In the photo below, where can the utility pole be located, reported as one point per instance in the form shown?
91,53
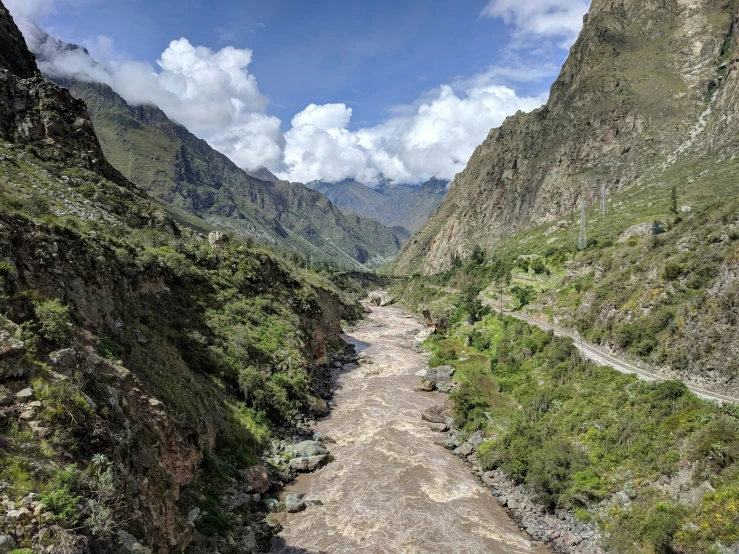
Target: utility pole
582,241
603,200
306,267
500,287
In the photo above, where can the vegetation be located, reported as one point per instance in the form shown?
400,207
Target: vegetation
576,433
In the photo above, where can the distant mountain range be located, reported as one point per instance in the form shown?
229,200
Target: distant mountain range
404,207
204,189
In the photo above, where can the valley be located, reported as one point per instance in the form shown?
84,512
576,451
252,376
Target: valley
535,351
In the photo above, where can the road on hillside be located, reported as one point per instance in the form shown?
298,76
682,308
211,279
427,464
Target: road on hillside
599,355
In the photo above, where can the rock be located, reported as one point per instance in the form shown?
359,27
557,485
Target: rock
512,504
502,500
422,335
440,374
7,544
439,427
322,438
216,239
635,230
64,359
40,429
272,504
435,414
421,373
686,209
258,479
308,449
623,498
193,515
25,394
10,347
130,544
489,478
6,398
294,503
243,499
308,464
476,438
248,543
381,299
464,450
425,386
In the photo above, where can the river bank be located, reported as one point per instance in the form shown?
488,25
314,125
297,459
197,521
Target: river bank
390,487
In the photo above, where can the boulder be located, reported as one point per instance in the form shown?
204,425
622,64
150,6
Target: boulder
130,544
64,359
503,501
381,299
425,386
464,450
25,394
635,230
476,439
308,449
294,503
440,374
216,239
435,414
311,463
258,479
7,544
439,427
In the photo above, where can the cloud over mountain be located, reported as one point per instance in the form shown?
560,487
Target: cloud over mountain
215,96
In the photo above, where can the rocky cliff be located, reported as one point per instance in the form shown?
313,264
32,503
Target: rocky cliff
143,368
634,94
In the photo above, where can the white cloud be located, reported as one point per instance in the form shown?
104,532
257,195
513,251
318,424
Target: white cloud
213,94
561,19
434,138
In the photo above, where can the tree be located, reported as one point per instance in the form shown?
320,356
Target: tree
478,255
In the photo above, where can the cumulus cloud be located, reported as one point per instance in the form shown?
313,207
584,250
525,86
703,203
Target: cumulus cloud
432,139
209,92
561,19
215,96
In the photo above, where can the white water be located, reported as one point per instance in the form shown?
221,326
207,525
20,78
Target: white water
390,488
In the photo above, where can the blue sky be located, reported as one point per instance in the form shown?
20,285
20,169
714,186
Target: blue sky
370,67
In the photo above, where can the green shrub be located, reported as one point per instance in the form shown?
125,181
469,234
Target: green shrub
61,501
673,271
540,267
54,320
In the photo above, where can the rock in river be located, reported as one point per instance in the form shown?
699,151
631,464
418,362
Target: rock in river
308,449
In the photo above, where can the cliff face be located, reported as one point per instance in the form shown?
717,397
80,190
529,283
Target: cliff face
630,96
142,369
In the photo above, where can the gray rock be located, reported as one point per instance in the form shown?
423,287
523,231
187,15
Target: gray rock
25,394
435,414
248,544
7,544
64,358
476,439
311,463
193,515
440,374
294,503
130,544
439,427
464,450
308,449
503,501
421,373
242,499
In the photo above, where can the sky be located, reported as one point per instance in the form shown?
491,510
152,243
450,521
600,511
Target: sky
366,90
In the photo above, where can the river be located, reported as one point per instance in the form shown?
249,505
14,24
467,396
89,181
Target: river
390,488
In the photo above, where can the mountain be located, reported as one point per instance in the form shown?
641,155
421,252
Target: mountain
144,369
392,205
188,176
645,85
203,188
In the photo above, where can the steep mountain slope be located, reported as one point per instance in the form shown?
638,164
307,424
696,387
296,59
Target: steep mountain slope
143,370
633,94
392,205
190,177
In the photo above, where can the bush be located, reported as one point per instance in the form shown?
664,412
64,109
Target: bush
540,267
658,228
60,501
53,317
673,271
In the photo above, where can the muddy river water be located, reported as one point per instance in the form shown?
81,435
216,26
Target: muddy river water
390,488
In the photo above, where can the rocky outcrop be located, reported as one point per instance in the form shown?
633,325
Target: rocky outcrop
628,97
14,54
